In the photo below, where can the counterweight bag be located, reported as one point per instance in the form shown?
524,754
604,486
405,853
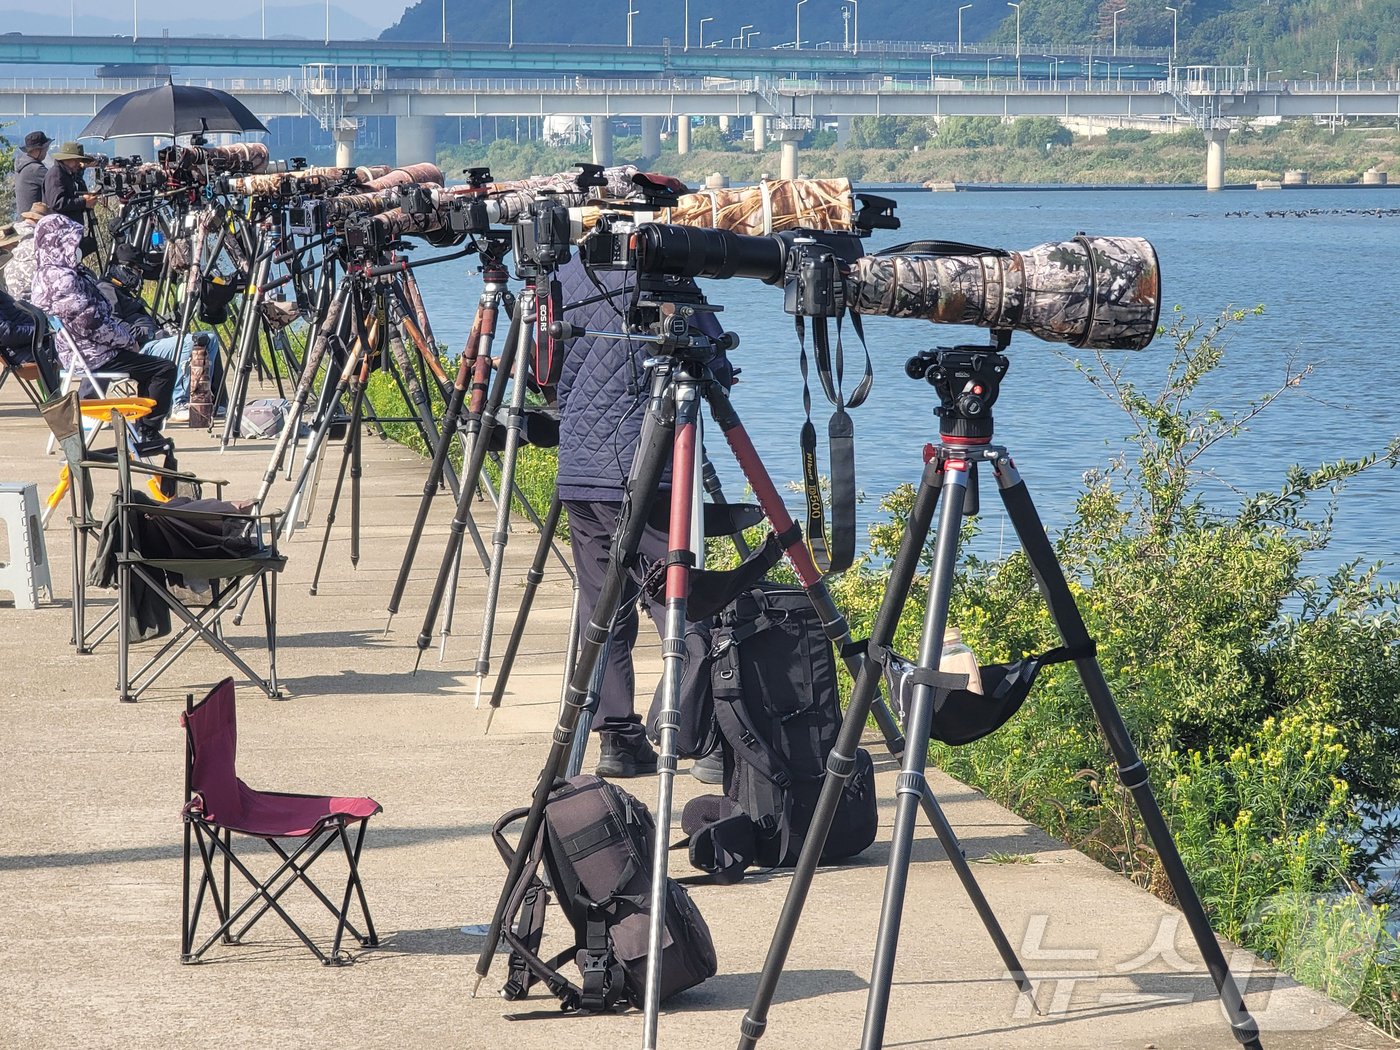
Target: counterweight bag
594,856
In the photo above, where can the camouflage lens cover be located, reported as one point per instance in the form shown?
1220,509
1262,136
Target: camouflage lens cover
1097,292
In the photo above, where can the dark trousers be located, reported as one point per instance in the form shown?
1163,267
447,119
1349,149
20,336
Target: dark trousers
591,526
155,378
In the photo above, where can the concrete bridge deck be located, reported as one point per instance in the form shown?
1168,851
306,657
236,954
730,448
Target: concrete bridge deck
90,850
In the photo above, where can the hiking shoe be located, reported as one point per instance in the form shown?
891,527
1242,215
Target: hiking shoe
709,769
622,757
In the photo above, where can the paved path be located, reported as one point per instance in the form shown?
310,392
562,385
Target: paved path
90,849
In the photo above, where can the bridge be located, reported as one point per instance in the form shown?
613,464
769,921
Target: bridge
779,107
885,58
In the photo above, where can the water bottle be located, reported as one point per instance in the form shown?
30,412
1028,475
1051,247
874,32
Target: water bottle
959,659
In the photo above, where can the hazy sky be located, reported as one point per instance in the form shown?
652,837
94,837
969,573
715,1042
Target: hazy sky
376,13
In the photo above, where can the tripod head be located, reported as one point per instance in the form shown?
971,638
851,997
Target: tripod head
968,381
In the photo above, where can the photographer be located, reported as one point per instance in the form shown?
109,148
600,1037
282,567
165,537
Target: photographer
121,287
64,288
64,189
30,171
603,393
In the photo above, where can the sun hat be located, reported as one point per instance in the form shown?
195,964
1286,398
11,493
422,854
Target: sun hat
73,151
35,139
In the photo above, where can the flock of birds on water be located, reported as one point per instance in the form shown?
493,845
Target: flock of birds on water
1311,213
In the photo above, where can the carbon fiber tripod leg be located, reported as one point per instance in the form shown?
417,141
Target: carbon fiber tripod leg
1131,772
653,452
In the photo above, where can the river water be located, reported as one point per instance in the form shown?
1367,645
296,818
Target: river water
1323,268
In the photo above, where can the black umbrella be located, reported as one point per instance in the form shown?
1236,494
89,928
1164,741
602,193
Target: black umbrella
171,109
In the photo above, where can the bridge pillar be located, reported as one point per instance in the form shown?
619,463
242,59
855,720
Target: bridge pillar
1215,158
415,140
602,141
724,125
760,132
787,162
651,137
682,136
345,146
843,132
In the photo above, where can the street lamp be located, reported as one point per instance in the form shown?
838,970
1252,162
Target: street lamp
687,26
328,21
960,11
510,41
1018,36
1175,12
133,21
742,31
798,45
1054,71
1116,13
994,58
750,36
855,33
630,12
444,21
709,18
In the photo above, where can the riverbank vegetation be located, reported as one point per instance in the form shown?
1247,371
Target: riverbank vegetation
1029,150
1265,702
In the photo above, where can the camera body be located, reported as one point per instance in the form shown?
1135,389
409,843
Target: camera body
306,217
813,283
611,245
364,239
542,238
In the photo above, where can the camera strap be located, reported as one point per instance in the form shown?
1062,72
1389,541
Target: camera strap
834,552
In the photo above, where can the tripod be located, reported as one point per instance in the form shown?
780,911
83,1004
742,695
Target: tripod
473,370
967,380
680,378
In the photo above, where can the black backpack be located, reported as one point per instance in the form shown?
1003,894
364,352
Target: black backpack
774,688
596,849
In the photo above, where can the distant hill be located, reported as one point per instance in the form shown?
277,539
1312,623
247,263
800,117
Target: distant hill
1292,35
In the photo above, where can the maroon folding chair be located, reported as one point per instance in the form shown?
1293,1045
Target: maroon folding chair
218,805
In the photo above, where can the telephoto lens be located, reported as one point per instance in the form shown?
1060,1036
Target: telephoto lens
1103,293
693,251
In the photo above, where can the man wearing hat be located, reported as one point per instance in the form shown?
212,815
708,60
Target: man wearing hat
30,170
64,189
18,273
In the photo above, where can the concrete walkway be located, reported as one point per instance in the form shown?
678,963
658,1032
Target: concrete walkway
90,848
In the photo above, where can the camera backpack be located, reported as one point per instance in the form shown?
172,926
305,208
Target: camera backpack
774,687
594,855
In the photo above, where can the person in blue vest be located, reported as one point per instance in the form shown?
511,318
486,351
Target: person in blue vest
602,395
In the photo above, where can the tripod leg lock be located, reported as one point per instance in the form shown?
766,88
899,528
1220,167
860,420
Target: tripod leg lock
595,634
839,766
751,1028
910,783
673,647
667,719
1246,1031
1137,772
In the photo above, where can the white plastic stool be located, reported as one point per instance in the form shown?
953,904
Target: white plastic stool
28,568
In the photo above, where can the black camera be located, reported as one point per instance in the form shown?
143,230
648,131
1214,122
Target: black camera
306,217
467,215
813,285
611,245
364,238
542,236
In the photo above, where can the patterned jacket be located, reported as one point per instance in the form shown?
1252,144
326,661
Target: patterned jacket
65,289
18,274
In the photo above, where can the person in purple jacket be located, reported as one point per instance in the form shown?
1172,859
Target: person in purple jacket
65,289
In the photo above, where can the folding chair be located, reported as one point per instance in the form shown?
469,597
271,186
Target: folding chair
39,378
79,375
235,551
65,418
219,805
